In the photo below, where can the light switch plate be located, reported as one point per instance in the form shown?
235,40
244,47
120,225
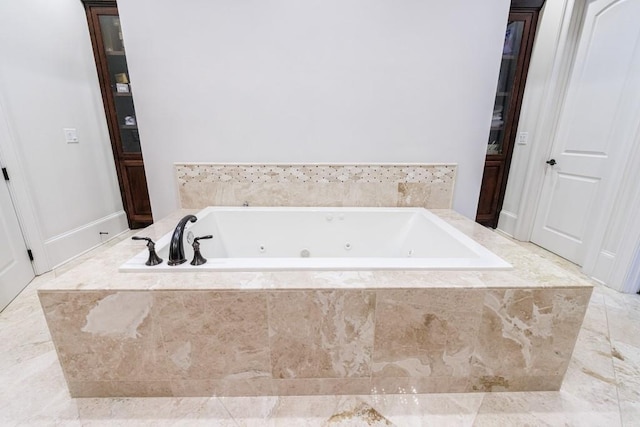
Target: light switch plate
523,138
71,135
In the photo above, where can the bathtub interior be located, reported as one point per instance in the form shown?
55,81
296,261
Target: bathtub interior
255,238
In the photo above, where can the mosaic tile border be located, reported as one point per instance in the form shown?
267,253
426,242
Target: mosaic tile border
382,185
316,173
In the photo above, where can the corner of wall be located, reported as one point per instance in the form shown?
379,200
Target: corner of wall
507,222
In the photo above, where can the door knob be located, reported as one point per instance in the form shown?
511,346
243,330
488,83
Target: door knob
551,162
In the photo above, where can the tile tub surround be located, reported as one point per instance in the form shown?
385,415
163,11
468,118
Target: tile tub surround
330,332
215,184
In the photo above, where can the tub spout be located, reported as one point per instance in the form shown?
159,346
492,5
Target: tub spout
176,249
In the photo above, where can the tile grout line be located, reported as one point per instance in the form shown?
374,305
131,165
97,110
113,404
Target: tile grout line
611,348
227,410
475,418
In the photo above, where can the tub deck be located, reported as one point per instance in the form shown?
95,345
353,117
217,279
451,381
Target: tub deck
314,332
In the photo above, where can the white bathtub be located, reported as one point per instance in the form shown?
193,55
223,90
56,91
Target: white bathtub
286,238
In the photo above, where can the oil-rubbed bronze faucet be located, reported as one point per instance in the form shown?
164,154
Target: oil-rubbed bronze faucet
176,249
154,259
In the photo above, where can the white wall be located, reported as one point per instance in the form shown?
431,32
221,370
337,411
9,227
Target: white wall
313,81
48,82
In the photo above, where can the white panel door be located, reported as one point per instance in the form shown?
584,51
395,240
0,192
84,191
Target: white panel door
15,267
599,115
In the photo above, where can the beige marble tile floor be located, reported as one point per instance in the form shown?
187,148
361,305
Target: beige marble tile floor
601,387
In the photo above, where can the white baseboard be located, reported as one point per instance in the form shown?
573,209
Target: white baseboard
65,246
602,269
631,283
507,222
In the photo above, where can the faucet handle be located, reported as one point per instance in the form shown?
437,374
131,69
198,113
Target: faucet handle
208,236
142,238
198,259
154,259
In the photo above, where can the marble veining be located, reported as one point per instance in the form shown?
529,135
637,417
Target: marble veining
331,336
118,315
426,333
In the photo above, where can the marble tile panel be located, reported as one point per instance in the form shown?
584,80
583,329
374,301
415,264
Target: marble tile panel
528,332
327,194
368,194
435,195
412,194
23,332
441,196
321,334
69,313
29,387
427,332
106,336
214,334
589,385
195,194
593,356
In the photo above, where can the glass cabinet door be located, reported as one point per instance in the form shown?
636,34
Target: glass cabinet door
505,92
115,86
118,74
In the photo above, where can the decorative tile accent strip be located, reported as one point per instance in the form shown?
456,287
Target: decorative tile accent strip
426,185
424,174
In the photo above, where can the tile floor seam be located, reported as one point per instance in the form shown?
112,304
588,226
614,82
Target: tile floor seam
221,401
475,418
611,348
267,301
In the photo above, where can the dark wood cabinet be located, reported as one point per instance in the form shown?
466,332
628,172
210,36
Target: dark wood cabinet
117,96
518,44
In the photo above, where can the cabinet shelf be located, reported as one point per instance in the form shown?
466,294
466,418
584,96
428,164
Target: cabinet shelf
111,63
519,36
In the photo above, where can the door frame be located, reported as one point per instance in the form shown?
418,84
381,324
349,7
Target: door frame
545,129
20,194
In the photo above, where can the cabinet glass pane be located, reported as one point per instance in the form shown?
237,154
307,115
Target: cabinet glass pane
504,92
119,83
